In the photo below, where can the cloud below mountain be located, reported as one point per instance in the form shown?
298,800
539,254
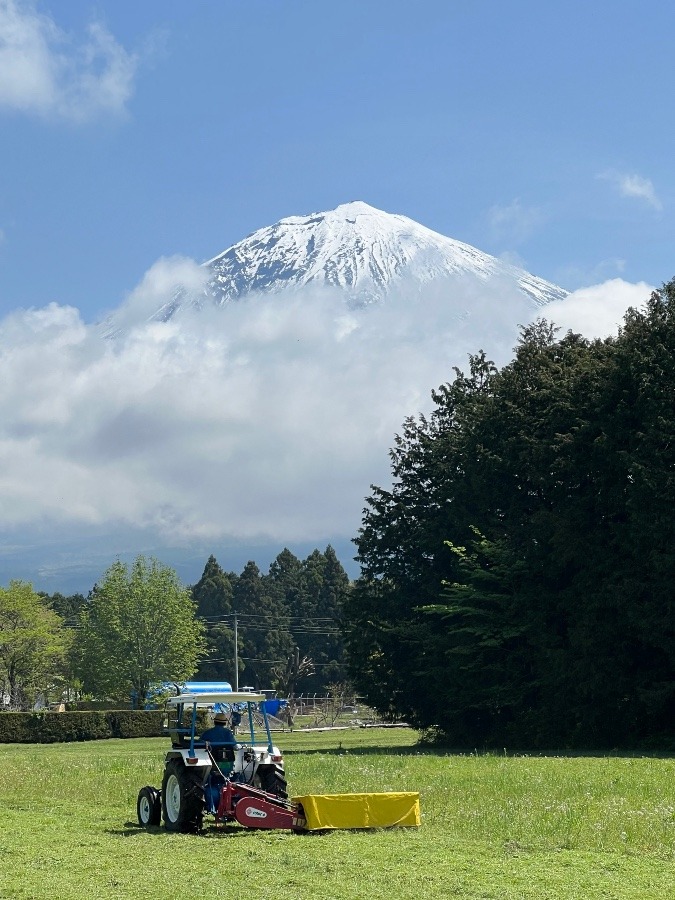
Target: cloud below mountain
597,311
266,419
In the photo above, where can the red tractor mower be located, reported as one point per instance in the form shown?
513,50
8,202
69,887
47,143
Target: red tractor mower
245,782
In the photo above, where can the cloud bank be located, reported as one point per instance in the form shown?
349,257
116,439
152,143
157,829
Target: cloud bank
265,420
43,71
598,311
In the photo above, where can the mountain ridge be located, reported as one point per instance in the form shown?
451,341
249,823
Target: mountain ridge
362,251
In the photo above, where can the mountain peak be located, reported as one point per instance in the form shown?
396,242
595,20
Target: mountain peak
343,211
355,206
360,250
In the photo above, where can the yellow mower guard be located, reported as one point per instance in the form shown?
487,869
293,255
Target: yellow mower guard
360,810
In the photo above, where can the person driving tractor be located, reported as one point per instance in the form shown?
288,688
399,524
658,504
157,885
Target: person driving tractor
219,734
221,741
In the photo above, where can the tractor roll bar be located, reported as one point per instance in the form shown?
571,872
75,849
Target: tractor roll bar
251,698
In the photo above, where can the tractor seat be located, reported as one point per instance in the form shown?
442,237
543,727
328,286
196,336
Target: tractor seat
222,752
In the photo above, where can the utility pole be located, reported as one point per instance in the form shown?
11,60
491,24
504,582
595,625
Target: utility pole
236,653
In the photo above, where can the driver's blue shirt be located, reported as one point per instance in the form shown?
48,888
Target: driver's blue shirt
218,734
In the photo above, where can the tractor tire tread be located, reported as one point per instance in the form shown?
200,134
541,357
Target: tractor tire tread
273,780
191,812
149,806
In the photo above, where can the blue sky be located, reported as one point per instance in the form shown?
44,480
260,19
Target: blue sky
136,132
539,131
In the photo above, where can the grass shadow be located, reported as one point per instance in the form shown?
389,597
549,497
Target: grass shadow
209,830
440,750
134,828
396,750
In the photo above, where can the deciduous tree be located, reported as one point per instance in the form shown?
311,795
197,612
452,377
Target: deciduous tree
33,647
138,630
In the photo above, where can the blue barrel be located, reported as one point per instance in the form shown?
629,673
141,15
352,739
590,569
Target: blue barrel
272,707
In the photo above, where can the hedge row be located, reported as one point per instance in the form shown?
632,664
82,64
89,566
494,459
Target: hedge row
53,727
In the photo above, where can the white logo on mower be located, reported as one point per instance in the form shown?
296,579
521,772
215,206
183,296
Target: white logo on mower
255,813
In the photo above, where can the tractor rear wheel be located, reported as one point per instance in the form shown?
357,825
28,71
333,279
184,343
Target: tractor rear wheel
148,806
182,798
272,780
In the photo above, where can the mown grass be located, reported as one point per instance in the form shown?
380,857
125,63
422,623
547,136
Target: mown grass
493,826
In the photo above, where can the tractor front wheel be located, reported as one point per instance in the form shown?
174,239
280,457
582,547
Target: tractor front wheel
148,807
182,798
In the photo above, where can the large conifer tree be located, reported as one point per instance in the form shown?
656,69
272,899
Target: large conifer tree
522,563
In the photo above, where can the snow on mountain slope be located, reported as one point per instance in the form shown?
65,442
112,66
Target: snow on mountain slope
363,251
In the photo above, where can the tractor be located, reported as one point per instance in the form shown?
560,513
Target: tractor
245,782
206,777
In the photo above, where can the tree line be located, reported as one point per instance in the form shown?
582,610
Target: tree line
297,604
139,627
517,578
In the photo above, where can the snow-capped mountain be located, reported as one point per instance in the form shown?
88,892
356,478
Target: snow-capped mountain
357,248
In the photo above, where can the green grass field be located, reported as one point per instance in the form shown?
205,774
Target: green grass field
492,827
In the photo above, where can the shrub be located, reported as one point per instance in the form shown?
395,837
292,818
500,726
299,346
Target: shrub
91,725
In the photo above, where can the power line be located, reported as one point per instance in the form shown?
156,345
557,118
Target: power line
305,627
294,631
291,629
270,616
228,659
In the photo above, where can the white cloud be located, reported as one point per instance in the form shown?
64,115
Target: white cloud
634,186
268,418
43,71
263,421
515,222
598,311
158,288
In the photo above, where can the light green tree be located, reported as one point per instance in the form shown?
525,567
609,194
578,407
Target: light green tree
139,629
33,647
